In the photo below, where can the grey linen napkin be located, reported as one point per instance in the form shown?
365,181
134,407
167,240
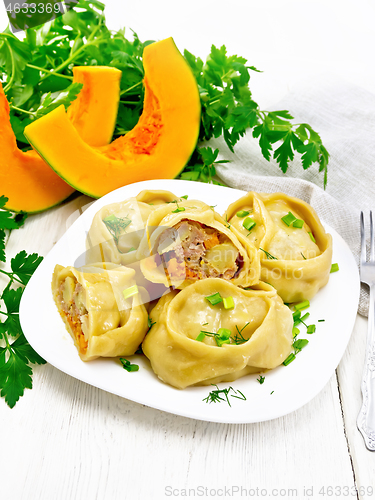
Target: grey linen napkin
344,116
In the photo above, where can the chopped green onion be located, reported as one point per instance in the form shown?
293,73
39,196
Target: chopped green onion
132,249
178,209
242,213
224,333
129,367
214,299
296,315
185,197
304,318
302,305
289,219
223,336
129,292
312,237
298,223
228,302
295,331
249,223
289,359
311,329
109,218
300,344
334,268
321,320
201,337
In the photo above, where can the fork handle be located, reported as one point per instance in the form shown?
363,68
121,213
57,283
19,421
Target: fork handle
366,417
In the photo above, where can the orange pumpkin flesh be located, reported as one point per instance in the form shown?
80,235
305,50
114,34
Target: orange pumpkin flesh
25,178
158,147
94,112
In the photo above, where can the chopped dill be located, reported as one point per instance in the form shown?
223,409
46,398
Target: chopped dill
268,255
116,225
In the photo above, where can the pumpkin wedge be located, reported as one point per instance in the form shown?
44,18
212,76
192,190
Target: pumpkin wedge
158,147
94,112
25,178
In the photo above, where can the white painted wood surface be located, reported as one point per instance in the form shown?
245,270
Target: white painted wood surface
68,440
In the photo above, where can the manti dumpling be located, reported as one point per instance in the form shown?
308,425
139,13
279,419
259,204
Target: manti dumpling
102,309
296,252
118,228
188,241
196,340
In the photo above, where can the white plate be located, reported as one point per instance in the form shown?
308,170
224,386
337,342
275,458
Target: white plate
284,390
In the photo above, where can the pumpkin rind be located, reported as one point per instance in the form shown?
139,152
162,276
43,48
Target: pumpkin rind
25,178
158,147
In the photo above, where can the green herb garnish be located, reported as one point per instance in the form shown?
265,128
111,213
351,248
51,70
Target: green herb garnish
242,213
239,338
214,299
249,223
129,292
261,379
302,305
298,223
288,219
289,359
311,329
295,331
228,302
215,396
17,355
116,225
312,237
222,336
129,367
299,345
201,336
268,255
150,323
334,268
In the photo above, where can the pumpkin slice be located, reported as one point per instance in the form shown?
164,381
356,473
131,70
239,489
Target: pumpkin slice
94,112
25,178
158,147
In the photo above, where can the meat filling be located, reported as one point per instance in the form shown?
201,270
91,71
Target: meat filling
70,298
198,251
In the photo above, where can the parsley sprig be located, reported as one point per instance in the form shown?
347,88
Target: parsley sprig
16,354
228,109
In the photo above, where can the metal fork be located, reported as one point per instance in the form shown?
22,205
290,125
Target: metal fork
366,417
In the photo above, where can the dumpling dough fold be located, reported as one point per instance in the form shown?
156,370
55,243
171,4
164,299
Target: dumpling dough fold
295,260
96,313
258,315
118,228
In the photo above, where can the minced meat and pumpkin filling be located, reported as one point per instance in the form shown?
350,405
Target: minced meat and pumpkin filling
72,308
198,251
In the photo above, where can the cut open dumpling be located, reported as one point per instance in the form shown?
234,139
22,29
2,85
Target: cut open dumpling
188,241
102,308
